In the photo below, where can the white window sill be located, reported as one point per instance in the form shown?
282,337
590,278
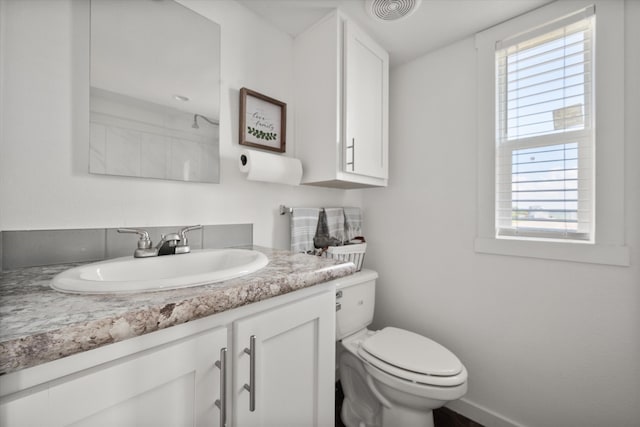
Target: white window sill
563,251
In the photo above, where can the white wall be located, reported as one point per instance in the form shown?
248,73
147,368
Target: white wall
546,343
44,182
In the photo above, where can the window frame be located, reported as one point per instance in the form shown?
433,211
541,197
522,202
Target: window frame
608,243
581,20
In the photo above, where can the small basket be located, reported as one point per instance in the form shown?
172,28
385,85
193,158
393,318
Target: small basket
353,253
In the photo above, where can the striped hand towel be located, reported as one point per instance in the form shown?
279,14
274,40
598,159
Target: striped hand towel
352,223
304,222
335,222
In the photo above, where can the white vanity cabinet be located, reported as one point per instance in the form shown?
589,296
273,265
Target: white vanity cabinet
291,352
172,384
26,409
342,103
179,376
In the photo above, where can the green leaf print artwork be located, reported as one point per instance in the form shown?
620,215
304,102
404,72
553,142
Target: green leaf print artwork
267,136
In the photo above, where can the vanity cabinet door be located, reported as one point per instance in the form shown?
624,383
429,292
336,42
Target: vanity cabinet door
173,385
294,357
25,409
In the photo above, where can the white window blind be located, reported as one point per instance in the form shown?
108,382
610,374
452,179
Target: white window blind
545,132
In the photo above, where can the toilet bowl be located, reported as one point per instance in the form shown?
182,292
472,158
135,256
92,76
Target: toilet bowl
391,377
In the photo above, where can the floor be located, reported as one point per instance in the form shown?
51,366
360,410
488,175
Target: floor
442,417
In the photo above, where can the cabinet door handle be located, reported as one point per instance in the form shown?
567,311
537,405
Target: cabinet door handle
222,402
251,387
353,154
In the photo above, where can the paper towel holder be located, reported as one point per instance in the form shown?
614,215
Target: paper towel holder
266,167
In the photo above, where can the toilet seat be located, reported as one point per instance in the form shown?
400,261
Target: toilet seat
412,357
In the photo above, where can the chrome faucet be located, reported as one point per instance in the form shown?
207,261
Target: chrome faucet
167,244
183,247
170,244
144,249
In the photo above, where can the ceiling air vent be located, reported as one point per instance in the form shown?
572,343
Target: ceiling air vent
391,10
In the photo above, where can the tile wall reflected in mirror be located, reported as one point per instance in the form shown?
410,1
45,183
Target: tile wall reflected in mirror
155,91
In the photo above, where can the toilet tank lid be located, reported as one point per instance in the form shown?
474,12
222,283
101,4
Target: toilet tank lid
413,352
356,278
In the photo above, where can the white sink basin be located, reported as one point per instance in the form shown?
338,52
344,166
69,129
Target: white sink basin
130,274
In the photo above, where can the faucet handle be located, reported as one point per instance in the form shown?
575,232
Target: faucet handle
144,242
183,232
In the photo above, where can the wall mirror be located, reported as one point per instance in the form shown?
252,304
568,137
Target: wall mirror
155,91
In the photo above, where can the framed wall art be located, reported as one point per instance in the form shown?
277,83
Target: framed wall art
263,121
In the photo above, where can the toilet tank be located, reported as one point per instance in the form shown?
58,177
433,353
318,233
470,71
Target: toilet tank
355,301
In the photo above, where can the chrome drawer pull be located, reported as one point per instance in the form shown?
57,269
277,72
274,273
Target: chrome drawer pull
251,387
222,402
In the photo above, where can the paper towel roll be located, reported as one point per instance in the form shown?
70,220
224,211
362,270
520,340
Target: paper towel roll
266,167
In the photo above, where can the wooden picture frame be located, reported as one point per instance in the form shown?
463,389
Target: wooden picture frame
263,121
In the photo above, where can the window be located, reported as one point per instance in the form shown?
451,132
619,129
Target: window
548,143
544,131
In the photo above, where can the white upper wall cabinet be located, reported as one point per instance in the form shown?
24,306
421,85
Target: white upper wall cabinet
342,102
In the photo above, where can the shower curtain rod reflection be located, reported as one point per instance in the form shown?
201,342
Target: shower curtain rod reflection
195,121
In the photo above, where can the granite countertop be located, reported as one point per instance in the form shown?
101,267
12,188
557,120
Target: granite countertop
39,324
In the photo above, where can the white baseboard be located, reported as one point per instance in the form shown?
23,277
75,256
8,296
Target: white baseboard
481,414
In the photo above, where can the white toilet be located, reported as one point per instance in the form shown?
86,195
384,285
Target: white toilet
391,377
